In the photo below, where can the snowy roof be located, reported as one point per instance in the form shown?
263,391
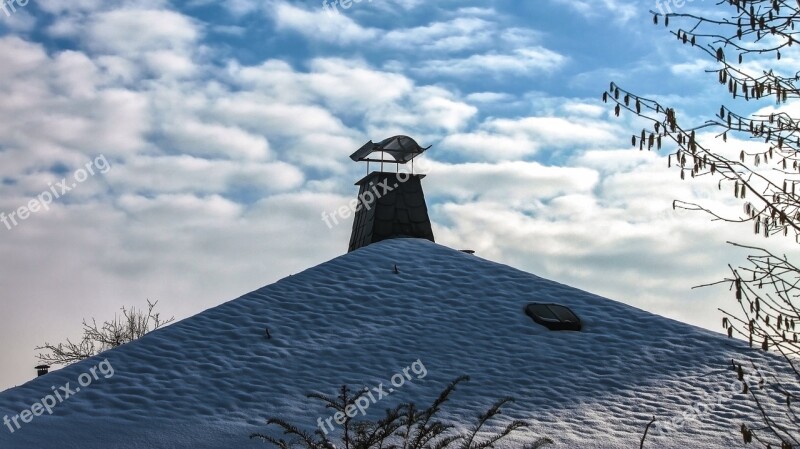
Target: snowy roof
212,379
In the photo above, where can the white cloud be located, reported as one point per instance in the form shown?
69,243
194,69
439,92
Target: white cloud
489,97
268,118
186,174
237,8
456,35
321,24
351,88
697,67
620,10
579,108
180,210
165,40
493,48
522,61
427,108
112,31
508,139
489,146
515,184
189,136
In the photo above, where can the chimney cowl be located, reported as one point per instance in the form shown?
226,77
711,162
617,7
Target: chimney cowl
390,204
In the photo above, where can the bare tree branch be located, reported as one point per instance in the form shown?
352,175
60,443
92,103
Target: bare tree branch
766,182
131,325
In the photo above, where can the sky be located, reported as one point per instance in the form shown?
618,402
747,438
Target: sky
190,149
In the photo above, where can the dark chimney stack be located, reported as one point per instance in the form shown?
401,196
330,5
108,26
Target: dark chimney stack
41,370
390,204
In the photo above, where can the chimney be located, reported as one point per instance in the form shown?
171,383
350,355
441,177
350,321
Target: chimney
390,204
41,370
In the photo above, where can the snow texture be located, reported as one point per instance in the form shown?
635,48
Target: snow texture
211,380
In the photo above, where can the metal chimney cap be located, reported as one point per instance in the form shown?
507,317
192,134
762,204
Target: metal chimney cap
401,148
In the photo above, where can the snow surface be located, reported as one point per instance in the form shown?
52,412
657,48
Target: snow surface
212,379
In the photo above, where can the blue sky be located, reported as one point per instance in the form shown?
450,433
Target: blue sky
227,128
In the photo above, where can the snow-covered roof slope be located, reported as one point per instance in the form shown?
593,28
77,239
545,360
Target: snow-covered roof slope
212,379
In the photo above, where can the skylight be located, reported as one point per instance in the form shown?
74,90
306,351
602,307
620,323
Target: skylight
553,316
